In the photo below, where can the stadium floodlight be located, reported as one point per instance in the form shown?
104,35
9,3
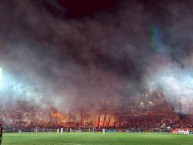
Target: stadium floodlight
1,78
0,73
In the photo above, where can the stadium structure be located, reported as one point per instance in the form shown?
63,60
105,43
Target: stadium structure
152,112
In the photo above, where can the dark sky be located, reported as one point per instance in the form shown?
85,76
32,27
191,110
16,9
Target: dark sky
75,9
90,52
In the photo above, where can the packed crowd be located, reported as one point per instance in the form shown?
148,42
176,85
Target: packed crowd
152,112
129,123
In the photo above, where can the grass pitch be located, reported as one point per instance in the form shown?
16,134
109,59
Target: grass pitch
98,138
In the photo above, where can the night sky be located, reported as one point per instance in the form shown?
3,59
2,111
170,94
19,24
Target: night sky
93,54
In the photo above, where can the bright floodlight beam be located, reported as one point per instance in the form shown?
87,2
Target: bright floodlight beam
1,78
0,73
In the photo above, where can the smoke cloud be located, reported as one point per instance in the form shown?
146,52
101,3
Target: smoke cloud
53,56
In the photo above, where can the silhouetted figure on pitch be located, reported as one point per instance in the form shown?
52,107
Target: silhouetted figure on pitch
1,133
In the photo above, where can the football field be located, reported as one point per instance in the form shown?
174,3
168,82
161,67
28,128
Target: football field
82,138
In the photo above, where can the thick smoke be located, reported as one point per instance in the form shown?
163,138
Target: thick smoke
52,59
172,68
176,82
